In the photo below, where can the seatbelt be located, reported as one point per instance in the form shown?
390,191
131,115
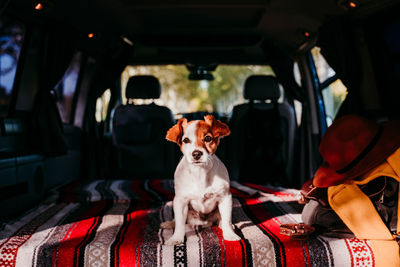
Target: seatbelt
360,216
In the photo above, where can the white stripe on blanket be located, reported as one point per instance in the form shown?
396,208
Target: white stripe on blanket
116,188
97,252
263,253
192,246
341,255
93,194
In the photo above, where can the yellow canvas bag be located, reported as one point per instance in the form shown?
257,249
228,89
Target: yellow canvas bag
356,210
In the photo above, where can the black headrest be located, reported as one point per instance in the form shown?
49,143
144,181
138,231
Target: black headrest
261,87
143,86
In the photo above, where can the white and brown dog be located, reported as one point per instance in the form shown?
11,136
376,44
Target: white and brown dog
202,195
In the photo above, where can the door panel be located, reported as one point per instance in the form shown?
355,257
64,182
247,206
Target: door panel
8,172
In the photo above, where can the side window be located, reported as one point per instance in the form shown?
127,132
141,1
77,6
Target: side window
102,106
333,90
11,38
66,88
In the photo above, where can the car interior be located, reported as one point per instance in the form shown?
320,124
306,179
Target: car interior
89,89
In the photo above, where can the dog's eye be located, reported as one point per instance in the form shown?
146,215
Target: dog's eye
186,140
207,139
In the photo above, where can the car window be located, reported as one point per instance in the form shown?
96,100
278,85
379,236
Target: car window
66,88
11,39
182,95
333,91
102,103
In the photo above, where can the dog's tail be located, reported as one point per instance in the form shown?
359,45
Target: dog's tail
168,224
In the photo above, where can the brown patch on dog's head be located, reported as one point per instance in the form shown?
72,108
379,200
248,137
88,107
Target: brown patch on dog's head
175,133
218,128
209,133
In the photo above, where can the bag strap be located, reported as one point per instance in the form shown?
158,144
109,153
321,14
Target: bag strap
394,161
357,212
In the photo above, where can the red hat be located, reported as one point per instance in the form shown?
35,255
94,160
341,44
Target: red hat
353,145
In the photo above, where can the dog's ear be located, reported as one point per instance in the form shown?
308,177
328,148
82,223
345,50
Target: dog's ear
176,132
218,128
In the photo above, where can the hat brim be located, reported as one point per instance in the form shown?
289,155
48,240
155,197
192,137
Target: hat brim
387,144
326,176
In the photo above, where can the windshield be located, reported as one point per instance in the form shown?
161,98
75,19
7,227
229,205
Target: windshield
182,95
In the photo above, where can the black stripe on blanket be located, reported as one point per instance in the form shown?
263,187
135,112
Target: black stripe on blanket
324,258
211,248
180,255
104,189
246,249
317,252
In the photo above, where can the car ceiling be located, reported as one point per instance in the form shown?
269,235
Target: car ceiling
167,31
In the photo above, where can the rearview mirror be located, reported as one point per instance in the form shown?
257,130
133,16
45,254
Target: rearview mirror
201,72
201,76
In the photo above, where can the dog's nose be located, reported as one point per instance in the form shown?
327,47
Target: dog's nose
197,154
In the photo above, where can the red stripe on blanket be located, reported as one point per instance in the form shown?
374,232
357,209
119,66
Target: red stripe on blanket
244,247
128,253
64,255
291,251
55,254
269,190
238,193
233,255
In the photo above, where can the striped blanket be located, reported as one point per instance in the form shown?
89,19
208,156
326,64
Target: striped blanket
116,223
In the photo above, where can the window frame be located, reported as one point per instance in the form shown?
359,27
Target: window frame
75,98
318,91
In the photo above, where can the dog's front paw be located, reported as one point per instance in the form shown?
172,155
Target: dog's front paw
231,236
174,240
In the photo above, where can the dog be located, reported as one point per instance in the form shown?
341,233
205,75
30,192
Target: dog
202,195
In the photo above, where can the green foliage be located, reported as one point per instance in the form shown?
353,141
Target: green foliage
183,95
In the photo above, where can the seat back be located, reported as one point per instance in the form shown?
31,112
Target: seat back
262,140
139,133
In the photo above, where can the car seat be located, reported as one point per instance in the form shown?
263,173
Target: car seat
262,140
139,133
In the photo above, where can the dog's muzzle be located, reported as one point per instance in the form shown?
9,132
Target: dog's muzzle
197,154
